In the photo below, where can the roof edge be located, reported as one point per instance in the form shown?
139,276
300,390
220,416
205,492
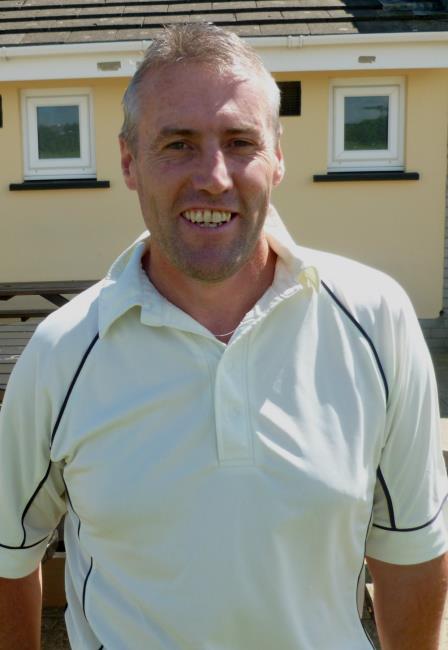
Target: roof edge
258,42
280,54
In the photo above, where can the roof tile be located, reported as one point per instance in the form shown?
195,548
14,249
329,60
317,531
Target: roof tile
299,29
92,36
56,21
194,6
10,39
306,14
246,31
242,4
332,28
144,9
260,16
44,38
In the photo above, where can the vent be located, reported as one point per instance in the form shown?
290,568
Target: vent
108,65
290,97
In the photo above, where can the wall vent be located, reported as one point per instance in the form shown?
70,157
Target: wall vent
291,97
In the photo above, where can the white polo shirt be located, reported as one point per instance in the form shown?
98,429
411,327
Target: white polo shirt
223,497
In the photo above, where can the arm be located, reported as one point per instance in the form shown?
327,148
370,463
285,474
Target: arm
20,612
409,602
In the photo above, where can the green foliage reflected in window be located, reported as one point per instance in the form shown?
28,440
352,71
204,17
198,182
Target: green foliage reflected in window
58,132
366,121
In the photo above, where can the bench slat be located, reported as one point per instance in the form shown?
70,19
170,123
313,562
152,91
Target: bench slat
37,288
12,349
15,342
25,313
13,339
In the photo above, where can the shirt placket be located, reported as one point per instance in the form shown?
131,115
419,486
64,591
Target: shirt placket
233,432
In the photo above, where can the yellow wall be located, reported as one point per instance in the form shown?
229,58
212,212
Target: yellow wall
395,226
64,234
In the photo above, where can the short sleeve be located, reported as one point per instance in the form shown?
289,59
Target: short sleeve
408,521
31,487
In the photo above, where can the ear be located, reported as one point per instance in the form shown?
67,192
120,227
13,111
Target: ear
128,165
279,170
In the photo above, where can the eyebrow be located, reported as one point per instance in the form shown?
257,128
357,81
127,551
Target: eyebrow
172,131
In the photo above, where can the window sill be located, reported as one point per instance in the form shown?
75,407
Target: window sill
59,184
331,177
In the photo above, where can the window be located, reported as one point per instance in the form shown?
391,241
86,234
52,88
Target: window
366,124
58,134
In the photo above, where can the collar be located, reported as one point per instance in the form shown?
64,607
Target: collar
126,285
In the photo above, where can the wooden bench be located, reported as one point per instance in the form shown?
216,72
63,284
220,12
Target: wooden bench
53,292
13,339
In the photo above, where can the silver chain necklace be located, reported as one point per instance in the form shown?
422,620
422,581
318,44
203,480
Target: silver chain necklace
226,333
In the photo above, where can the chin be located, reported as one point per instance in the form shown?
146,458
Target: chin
208,273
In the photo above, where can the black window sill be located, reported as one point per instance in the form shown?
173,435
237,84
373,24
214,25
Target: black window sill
335,177
60,184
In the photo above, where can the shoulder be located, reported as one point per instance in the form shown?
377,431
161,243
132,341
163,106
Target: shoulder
77,320
60,340
354,295
360,288
55,351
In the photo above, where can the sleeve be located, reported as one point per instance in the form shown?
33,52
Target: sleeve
31,488
408,520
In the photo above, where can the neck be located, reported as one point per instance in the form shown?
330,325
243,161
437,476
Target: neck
218,306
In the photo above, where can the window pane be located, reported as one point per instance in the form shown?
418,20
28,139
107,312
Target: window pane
58,132
366,122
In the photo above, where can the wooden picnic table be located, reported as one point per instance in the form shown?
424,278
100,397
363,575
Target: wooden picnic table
13,339
15,336
53,292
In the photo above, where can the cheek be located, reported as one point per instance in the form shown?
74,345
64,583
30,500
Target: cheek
253,173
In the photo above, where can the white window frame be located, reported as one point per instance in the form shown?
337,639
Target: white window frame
37,169
391,159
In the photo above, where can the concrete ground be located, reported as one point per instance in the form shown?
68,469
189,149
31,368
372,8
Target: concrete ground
53,629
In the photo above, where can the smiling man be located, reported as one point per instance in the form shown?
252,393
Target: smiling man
204,161
231,423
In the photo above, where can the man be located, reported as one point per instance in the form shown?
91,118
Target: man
231,422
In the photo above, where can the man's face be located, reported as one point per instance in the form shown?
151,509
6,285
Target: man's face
204,168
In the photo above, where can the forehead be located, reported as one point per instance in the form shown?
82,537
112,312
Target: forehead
194,92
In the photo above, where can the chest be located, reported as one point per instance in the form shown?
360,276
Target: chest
166,428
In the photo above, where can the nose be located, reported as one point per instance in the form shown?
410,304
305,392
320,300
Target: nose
212,174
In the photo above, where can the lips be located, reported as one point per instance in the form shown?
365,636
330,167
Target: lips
208,218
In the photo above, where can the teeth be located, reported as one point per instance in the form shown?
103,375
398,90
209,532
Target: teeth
211,218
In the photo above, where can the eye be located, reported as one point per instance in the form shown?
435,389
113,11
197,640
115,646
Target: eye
240,143
178,145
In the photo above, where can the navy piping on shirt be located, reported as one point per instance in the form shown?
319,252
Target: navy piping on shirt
23,544
71,505
364,333
359,577
84,588
390,507
27,507
72,385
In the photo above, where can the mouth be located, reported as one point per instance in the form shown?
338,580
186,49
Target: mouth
208,218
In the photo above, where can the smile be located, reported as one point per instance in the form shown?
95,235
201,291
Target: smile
208,218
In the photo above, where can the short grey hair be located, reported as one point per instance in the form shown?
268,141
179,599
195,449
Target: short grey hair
220,49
